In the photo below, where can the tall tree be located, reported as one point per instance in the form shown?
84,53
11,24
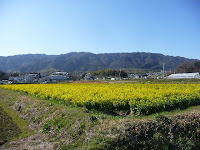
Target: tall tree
2,75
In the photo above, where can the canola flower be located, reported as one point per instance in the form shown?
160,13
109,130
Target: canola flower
139,98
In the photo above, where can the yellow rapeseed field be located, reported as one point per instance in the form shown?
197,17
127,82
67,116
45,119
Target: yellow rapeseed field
139,98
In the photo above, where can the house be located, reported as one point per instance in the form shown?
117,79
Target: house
16,79
60,73
32,77
2,82
88,76
58,76
133,76
137,76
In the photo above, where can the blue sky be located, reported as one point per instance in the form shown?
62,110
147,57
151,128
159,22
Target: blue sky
169,27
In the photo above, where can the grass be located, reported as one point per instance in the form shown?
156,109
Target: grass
20,123
181,81
8,128
13,127
166,113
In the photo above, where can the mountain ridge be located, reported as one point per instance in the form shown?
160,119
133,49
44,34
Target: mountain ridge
87,61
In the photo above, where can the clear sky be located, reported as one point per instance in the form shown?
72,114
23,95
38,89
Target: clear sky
169,27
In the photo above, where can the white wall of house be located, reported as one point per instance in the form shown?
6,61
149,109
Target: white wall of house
58,77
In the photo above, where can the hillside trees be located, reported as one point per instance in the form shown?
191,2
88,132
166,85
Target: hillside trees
109,73
84,61
2,75
189,67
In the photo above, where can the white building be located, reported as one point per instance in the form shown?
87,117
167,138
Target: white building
184,76
57,76
113,79
60,73
17,79
32,77
88,76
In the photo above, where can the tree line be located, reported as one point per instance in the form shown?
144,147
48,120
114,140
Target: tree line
189,67
109,73
5,76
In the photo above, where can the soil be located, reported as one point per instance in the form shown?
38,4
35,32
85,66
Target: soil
37,141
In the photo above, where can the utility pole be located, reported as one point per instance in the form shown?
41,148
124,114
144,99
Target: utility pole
120,73
163,70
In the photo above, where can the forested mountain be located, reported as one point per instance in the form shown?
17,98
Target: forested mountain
84,61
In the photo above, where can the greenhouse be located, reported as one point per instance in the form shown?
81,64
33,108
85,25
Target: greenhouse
184,76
